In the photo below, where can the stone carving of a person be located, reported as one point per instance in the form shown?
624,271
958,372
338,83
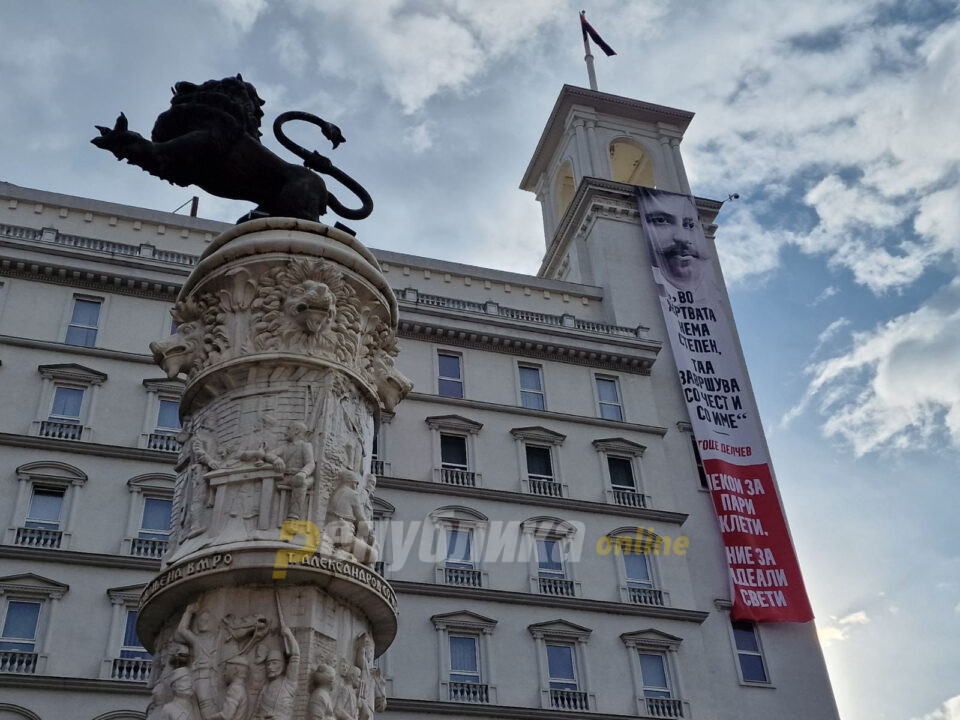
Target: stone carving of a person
345,706
366,692
278,695
345,514
197,457
320,706
234,706
183,705
201,637
299,465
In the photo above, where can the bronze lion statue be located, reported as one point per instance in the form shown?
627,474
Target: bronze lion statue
210,137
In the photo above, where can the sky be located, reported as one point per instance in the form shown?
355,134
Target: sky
836,121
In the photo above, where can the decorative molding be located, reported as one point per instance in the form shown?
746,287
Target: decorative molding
512,597
61,557
559,629
547,414
127,594
51,471
458,513
163,385
75,447
538,433
619,446
75,349
506,712
32,584
453,422
72,372
650,639
480,493
462,620
52,682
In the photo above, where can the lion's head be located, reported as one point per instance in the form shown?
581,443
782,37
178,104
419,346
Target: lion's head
231,101
311,306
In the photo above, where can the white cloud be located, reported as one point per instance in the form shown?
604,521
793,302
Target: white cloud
242,14
840,630
856,618
950,710
827,293
418,138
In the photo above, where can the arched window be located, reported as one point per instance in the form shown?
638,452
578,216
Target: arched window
630,164
564,189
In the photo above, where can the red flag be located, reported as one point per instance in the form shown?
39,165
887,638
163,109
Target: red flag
587,29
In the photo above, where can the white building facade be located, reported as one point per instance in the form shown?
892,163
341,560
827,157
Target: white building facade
546,422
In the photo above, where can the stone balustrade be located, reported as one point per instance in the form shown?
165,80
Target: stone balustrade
569,700
468,692
39,538
131,669
15,661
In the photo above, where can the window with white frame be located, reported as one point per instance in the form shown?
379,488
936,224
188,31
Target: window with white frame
552,570
531,387
84,322
608,397
654,664
126,658
453,449
132,648
620,468
26,610
382,514
561,654
67,400
161,423
149,518
460,530
45,505
168,415
750,659
449,374
379,456
633,549
466,674
538,451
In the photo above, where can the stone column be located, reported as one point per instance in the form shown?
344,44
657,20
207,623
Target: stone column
267,604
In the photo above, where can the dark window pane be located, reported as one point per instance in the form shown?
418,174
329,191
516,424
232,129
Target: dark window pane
549,558
463,655
607,391
538,461
156,514
449,366
560,663
67,402
621,472
130,638
21,620
86,312
45,505
636,567
450,388
532,400
745,636
699,461
458,547
169,414
611,412
81,336
376,449
752,668
453,450
530,379
653,672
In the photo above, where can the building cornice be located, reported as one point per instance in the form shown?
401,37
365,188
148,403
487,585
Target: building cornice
86,448
546,414
16,552
74,350
53,682
548,601
508,712
572,504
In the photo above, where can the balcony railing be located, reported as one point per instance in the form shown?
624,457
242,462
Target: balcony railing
462,577
561,587
458,476
376,466
545,486
468,692
148,548
60,430
13,661
38,537
131,669
569,700
645,596
662,707
163,441
629,498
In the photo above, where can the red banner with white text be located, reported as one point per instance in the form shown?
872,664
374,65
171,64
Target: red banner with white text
765,578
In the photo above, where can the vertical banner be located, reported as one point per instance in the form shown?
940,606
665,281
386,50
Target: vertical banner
764,572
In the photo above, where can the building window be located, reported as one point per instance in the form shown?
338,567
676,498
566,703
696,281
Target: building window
132,648
149,515
168,416
701,473
621,474
620,461
539,449
67,402
465,672
67,395
653,675
749,653
653,665
562,667
45,504
449,375
155,521
461,531
550,559
636,566
453,451
84,322
634,550
551,540
161,422
531,387
20,623
459,548
608,398
561,649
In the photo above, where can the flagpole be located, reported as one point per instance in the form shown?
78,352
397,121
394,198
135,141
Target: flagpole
588,57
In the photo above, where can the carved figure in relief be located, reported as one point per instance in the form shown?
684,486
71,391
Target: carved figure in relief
249,628
202,640
366,529
200,336
345,514
367,690
321,705
299,466
198,457
183,706
277,697
345,702
234,706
